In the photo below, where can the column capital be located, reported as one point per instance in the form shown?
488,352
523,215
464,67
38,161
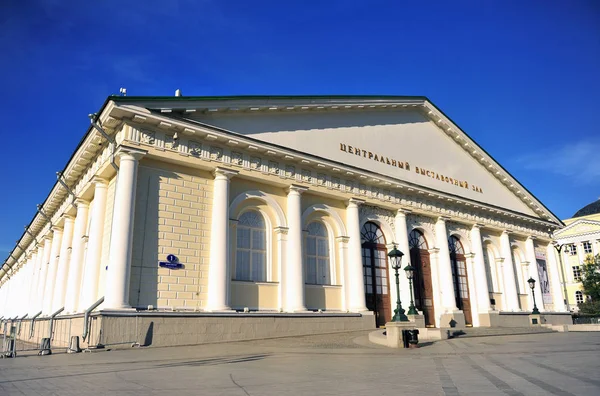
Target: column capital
99,181
130,153
477,226
79,202
221,173
343,239
525,263
403,212
356,201
434,250
531,237
281,230
507,232
443,218
68,218
470,255
56,229
296,189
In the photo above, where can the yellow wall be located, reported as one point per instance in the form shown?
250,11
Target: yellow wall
172,217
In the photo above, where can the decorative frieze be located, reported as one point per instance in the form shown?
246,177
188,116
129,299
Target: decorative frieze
364,211
420,221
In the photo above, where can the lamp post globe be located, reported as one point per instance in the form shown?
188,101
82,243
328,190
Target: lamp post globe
410,272
395,257
531,282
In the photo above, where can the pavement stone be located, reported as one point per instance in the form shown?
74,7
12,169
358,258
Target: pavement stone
336,364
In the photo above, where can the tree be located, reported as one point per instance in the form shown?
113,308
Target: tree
590,278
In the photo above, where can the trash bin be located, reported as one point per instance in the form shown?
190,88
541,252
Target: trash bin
413,338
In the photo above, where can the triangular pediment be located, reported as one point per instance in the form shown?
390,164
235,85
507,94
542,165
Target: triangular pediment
579,227
405,138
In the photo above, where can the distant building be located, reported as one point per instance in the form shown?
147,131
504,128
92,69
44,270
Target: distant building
578,239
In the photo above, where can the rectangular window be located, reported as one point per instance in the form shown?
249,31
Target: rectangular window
587,247
572,249
577,273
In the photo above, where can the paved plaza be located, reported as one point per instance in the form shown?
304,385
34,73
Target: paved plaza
340,364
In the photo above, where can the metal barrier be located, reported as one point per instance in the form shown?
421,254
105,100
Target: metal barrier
33,323
86,316
586,320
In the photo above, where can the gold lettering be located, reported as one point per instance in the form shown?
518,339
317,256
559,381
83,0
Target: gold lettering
428,173
350,149
417,169
407,166
401,165
387,160
422,171
437,176
393,162
376,158
342,147
381,159
447,179
370,155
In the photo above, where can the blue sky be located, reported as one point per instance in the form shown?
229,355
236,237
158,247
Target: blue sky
521,77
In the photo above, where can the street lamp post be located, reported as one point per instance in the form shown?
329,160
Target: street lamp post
531,282
395,256
410,271
558,248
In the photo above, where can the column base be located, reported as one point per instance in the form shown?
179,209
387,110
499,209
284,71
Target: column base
453,320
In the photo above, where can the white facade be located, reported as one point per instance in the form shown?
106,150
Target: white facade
282,204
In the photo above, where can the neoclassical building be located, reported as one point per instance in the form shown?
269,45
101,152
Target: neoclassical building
579,239
283,205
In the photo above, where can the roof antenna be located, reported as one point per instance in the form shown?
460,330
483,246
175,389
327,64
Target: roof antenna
178,92
123,91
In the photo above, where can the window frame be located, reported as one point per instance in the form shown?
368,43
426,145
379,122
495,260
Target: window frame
576,270
587,247
579,293
330,250
267,252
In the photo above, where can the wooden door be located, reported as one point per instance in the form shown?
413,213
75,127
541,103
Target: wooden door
375,272
460,278
422,284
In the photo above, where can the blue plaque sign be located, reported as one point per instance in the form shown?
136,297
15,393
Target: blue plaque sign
171,263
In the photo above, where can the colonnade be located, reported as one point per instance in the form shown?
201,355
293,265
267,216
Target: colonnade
62,269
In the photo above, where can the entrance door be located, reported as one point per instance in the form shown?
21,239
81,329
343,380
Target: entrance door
375,272
422,284
459,278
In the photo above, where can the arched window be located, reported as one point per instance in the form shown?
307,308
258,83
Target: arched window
416,240
579,297
251,248
317,255
459,276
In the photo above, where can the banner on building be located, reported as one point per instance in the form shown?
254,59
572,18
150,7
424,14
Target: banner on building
540,258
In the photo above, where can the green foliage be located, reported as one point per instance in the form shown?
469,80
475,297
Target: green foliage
589,308
591,278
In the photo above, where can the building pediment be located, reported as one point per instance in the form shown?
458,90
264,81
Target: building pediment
406,138
579,228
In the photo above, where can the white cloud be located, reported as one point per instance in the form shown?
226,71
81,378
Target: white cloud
579,160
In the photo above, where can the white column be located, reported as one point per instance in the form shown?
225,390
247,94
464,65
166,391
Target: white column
342,246
556,287
62,271
31,263
479,272
37,275
401,236
57,234
219,244
281,233
473,288
533,273
76,262
510,283
91,274
43,274
121,240
444,267
354,268
294,271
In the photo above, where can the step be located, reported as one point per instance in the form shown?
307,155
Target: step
497,331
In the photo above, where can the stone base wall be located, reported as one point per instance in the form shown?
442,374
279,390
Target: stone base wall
124,329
